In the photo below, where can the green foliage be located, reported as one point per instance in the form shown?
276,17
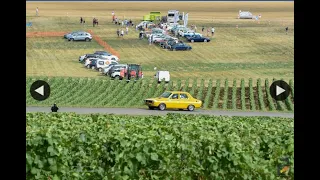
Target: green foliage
194,86
243,95
69,146
251,96
260,95
208,95
200,92
270,99
216,95
234,94
186,86
225,94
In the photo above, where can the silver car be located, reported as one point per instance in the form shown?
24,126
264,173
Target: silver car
80,36
69,34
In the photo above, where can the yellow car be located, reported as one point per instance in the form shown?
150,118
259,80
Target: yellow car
174,100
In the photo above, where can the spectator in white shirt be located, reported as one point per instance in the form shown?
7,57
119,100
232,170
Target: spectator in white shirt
212,31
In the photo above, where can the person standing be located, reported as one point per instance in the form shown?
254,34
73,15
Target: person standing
122,33
81,20
212,31
112,13
140,35
127,30
150,40
54,108
287,30
202,28
37,11
118,32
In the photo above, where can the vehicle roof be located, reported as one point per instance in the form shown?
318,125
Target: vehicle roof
177,92
163,71
102,51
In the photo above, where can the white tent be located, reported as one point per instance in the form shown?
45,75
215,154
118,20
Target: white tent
245,15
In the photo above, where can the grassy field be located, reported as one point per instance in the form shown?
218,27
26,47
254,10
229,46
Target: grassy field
220,94
254,50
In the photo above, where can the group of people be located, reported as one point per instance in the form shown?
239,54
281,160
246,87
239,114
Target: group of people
208,30
125,22
120,32
94,21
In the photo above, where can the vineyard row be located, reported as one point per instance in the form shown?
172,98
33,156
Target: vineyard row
223,94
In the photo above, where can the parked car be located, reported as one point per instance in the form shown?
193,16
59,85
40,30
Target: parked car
180,46
168,44
107,55
115,67
165,38
115,73
80,36
182,31
174,100
69,34
106,69
84,57
102,63
191,34
198,39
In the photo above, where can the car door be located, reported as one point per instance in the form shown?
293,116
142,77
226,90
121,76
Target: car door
173,101
80,37
100,63
184,100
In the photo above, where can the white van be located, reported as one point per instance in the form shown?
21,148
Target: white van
102,63
162,75
110,57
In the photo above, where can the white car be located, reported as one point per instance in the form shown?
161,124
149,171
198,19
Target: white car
158,37
191,34
185,31
115,73
106,69
110,57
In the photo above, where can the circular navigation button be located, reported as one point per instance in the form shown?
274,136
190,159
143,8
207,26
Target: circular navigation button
40,90
279,90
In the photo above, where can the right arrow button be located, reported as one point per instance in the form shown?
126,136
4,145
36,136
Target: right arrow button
279,90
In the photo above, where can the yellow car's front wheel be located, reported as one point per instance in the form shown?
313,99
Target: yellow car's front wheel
162,106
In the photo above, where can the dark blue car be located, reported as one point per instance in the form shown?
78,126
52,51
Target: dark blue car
197,39
180,47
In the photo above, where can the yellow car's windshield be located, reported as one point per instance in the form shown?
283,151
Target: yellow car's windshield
165,94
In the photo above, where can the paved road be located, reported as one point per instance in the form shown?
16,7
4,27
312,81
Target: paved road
141,111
